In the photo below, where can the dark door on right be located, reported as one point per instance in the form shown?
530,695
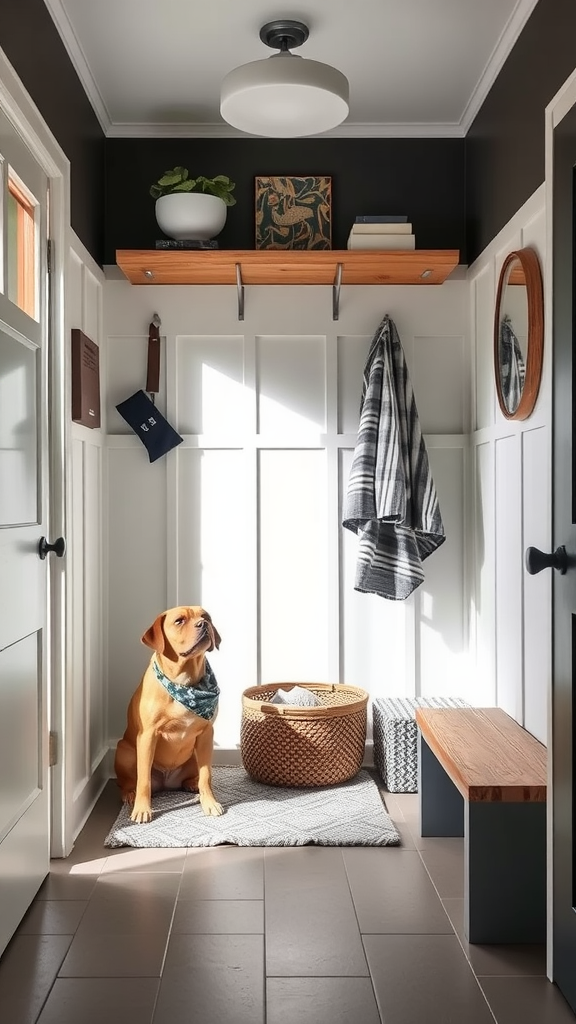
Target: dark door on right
564,533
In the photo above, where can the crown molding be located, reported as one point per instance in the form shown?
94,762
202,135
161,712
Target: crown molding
496,61
182,130
78,58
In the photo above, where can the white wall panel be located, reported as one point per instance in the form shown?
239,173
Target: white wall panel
537,589
136,570
509,240
483,286
534,234
217,569
210,390
534,230
75,288
92,304
484,617
291,384
88,695
508,565
439,379
293,567
377,637
97,725
442,644
77,676
352,357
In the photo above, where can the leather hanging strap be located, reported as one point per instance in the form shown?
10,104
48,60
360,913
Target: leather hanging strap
153,374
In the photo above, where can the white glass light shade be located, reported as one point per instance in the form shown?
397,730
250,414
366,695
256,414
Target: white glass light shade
284,96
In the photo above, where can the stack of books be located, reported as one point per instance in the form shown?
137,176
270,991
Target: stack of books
381,231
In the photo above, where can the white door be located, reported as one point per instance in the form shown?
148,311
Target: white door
24,313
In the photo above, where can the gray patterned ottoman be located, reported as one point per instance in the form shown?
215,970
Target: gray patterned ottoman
396,738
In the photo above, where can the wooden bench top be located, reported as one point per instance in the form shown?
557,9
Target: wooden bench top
488,755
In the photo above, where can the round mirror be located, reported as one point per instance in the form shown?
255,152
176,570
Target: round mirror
519,334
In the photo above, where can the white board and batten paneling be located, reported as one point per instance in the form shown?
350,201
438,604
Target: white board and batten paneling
83,716
244,517
510,610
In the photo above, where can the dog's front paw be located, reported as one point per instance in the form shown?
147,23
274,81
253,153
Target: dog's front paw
141,813
211,807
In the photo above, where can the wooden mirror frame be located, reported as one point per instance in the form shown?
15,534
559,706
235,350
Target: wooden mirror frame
535,344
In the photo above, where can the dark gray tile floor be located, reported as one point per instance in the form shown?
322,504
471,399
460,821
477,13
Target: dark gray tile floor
245,936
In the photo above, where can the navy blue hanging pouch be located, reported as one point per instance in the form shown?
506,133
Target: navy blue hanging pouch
140,412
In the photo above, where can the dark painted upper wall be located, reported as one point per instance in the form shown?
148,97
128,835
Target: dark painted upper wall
505,144
423,178
33,46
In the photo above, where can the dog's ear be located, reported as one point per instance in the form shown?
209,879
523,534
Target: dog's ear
154,637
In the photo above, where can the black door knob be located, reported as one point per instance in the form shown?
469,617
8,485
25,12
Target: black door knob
537,560
58,547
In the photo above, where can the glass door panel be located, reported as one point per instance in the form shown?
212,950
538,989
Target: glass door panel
18,432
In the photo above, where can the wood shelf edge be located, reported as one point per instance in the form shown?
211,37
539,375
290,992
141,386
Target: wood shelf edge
218,266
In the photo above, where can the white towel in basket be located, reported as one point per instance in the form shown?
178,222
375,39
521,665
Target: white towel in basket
297,696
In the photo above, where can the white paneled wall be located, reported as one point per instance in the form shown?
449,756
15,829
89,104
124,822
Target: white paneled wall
510,610
244,516
85,711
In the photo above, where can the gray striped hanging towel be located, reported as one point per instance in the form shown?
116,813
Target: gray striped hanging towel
512,368
391,500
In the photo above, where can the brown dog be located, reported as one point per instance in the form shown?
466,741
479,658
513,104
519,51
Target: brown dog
169,738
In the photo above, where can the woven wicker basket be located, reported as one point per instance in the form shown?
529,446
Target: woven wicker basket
284,745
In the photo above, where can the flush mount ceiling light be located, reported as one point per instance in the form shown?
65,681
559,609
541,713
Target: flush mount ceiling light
285,95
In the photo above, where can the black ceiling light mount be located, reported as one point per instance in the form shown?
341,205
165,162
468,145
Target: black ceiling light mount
284,35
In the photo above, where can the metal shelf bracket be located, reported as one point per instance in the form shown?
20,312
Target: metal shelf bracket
336,292
240,288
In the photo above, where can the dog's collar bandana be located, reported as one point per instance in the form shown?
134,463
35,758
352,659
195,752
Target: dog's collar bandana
202,698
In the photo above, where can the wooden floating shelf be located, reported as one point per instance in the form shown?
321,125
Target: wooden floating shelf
270,266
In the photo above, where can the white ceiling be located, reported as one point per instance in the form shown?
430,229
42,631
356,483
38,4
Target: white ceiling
416,67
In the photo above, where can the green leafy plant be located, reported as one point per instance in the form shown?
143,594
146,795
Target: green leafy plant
179,180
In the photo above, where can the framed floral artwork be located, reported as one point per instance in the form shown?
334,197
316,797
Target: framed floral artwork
293,213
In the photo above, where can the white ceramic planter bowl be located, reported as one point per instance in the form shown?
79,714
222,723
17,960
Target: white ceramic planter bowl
191,215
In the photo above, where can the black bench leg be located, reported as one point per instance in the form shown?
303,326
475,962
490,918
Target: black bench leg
441,805
505,872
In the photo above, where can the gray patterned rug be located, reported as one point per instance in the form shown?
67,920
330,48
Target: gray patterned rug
349,814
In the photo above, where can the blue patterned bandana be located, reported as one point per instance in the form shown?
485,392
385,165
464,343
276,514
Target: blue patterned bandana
201,698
